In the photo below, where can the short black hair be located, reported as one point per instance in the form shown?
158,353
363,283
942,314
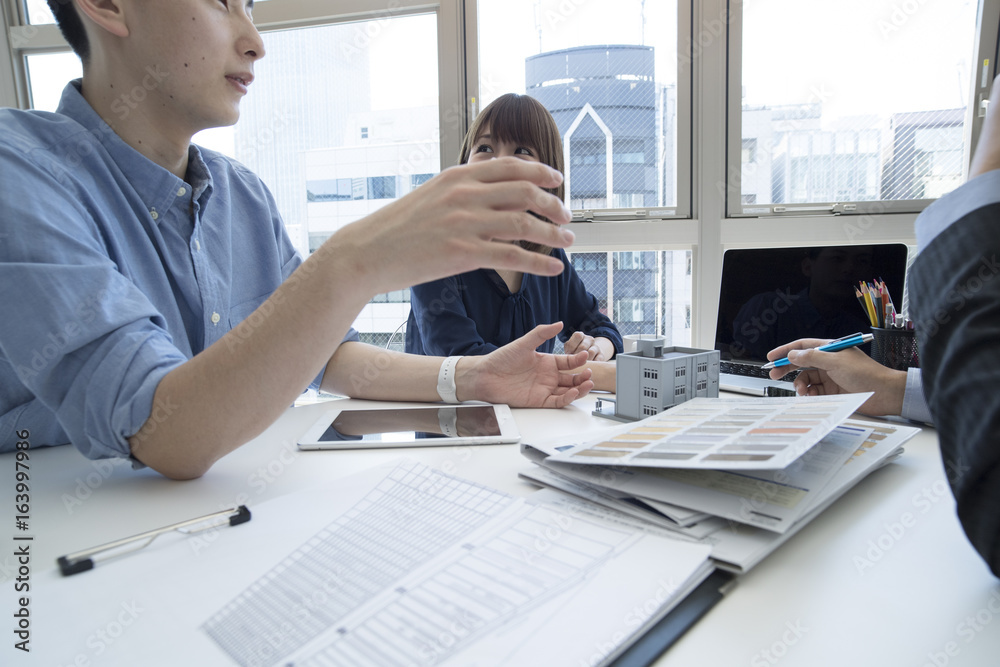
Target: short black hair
71,27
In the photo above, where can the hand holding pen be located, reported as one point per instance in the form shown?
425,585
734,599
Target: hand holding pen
848,371
833,346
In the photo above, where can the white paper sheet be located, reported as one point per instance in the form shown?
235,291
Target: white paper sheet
401,564
771,499
737,546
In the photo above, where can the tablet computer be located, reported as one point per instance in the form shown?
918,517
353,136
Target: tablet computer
356,427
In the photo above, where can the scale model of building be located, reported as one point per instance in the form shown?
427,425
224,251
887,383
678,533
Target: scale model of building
654,378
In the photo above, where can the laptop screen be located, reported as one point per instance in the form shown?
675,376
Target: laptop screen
772,296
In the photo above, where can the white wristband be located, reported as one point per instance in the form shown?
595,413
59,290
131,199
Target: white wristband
446,387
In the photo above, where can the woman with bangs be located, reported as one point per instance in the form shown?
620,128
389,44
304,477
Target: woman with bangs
477,312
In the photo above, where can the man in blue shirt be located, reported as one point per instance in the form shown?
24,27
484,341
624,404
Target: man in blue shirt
153,305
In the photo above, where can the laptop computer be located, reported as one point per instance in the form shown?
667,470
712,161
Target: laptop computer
772,296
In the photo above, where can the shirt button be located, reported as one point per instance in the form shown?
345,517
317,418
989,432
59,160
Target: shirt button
153,213
215,318
181,192
197,246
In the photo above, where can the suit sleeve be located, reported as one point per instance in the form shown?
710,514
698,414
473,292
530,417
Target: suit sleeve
955,302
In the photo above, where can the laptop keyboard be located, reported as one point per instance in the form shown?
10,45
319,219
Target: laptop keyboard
751,370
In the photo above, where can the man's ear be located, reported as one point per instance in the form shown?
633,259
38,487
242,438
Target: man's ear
106,14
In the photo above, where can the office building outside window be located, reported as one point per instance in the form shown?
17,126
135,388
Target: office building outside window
825,127
611,85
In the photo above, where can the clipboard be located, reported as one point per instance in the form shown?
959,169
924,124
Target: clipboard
648,648
81,561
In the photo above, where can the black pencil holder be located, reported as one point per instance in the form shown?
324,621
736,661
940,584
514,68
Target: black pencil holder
895,348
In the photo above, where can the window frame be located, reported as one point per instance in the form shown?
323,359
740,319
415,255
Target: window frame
26,39
682,209
734,206
709,141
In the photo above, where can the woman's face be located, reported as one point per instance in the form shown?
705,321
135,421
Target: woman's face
486,147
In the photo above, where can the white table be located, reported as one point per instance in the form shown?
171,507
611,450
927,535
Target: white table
884,577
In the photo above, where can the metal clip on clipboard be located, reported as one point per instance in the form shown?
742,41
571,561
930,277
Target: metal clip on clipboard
81,561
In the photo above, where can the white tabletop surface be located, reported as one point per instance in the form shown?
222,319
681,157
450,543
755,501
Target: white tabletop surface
883,577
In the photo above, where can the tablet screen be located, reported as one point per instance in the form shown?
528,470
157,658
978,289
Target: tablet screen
411,425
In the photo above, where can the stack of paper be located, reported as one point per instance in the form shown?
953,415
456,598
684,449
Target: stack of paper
399,565
740,475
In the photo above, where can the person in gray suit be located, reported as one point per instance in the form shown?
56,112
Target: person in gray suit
955,303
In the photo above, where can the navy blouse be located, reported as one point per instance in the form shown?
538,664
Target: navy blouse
475,312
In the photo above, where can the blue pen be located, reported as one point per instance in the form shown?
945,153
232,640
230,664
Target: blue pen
833,346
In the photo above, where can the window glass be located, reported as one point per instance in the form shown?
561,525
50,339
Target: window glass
39,12
646,291
339,121
607,70
47,76
850,103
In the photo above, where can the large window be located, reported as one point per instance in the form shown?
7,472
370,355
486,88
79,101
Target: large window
341,120
844,104
690,127
607,70
47,76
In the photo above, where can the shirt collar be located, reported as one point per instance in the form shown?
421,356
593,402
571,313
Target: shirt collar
157,188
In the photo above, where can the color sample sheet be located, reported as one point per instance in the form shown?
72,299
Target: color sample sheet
721,434
736,544
770,499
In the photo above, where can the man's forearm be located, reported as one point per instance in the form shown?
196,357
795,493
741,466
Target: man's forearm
230,392
365,371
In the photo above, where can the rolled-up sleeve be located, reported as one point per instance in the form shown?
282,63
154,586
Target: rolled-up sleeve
80,338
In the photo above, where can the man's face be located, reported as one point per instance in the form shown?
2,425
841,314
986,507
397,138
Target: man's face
195,58
835,272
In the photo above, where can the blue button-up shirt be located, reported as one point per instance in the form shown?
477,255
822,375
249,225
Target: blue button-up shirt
113,272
